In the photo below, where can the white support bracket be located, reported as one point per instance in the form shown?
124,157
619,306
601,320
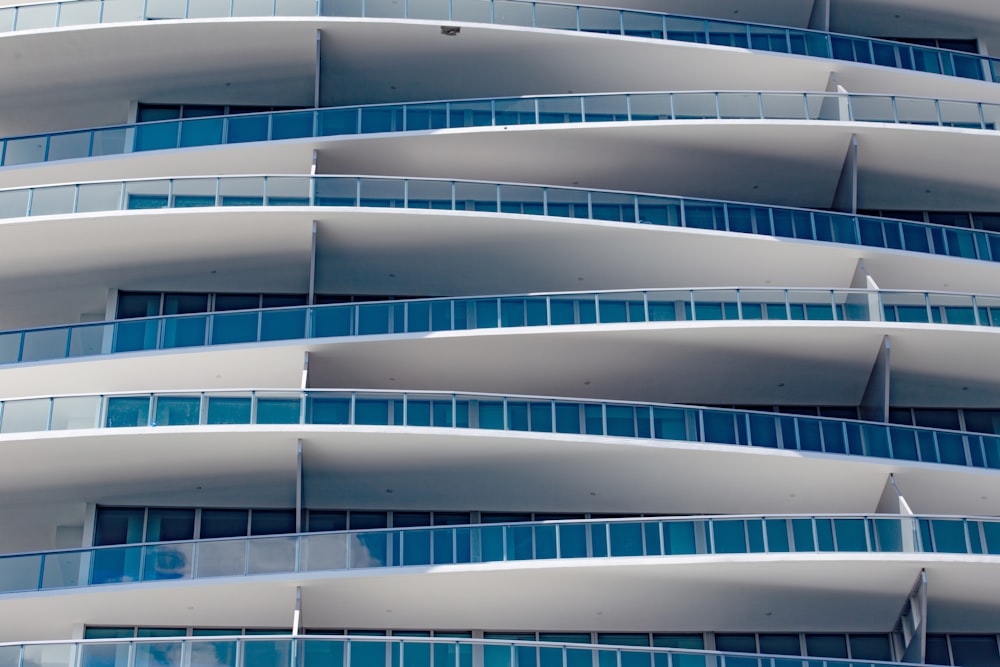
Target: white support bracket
317,74
845,198
910,632
299,523
297,614
875,400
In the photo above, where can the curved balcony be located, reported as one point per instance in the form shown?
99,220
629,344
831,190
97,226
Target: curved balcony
519,13
498,543
473,197
363,651
498,112
425,316
491,412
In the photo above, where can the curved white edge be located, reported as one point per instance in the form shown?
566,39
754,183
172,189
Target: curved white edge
791,163
804,592
719,362
346,467
386,250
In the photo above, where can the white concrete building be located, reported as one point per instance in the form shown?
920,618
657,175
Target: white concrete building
474,333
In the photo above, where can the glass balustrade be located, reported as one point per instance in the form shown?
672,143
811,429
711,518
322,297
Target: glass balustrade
528,414
278,650
521,13
418,316
514,199
494,543
526,111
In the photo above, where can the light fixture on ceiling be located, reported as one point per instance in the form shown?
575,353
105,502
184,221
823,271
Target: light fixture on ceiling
450,30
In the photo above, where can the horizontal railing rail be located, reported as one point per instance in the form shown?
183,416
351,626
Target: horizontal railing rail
495,543
496,112
505,198
424,316
519,13
494,412
442,650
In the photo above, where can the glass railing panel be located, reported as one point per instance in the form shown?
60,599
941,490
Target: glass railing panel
168,561
476,197
326,551
44,344
157,136
621,307
949,536
568,203
244,191
161,10
278,408
20,573
600,20
92,197
519,111
150,654
435,195
658,106
383,193
961,114
267,653
511,12
872,109
71,412
903,307
659,211
377,410
428,9
237,327
475,11
244,128
194,192
222,558
33,17
768,38
24,151
341,8
336,192
714,305
228,409
283,324
953,309
682,538
186,331
369,550
69,146
120,11
207,9
103,655
692,105
917,111
328,409
49,655
382,118
256,8
763,304
127,411
177,410
140,195
814,305
291,125
116,565
739,105
267,555
683,29
643,24
557,110
7,16
14,203
110,141
25,416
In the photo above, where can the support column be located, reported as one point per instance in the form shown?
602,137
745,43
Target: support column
312,264
820,17
305,373
875,401
892,500
297,614
319,68
845,199
910,632
298,487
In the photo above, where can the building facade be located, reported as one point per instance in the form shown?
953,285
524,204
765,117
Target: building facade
496,332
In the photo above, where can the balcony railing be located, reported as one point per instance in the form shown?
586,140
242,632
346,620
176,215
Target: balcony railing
546,15
511,198
365,651
498,112
492,412
496,543
422,316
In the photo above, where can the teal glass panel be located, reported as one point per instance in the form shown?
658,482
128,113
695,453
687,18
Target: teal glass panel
755,536
322,653
278,410
777,535
184,331
127,411
136,335
621,420
991,532
949,536
763,432
545,541
282,324
568,418
334,122
729,536
851,534
626,539
695,642
720,427
116,565
267,653
416,547
670,424
201,132
573,540
598,539
333,321
321,410
517,416
802,534
679,537
234,328
292,125
593,419
541,417
889,534
519,543
228,410
491,543
242,129
368,549
371,411
418,316
824,535
809,436
418,412
951,447
156,136
367,654
373,319
491,415
177,411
